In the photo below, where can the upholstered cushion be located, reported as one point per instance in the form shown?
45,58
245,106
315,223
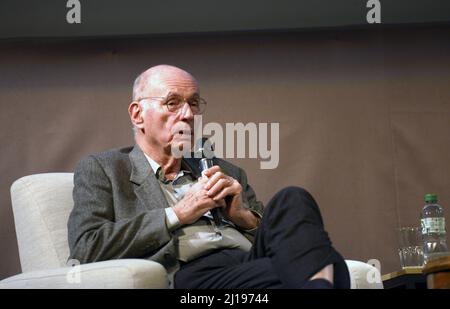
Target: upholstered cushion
41,205
121,274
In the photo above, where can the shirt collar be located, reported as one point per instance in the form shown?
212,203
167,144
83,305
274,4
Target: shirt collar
158,170
155,166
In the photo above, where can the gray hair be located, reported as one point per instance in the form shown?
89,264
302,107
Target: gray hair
137,89
136,86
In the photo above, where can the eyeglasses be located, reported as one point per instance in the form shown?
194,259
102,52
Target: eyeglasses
174,103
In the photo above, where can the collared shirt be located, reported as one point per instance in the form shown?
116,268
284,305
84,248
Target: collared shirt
201,237
174,190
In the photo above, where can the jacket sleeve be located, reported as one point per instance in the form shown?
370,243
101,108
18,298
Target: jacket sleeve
251,202
250,199
93,232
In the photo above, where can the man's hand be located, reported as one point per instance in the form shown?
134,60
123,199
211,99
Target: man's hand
195,203
221,187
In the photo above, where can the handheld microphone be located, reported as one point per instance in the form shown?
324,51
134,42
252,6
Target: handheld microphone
204,164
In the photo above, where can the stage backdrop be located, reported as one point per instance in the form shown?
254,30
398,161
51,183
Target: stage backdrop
364,117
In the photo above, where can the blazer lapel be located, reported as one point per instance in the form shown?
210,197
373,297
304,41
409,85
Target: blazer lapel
147,187
193,165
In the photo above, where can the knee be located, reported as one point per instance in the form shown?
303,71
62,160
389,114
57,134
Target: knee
295,192
297,198
293,189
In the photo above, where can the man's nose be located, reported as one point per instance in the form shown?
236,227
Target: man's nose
186,111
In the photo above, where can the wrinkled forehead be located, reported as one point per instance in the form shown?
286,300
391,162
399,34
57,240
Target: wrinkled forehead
182,84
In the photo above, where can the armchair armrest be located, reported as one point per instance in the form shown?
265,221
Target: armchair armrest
113,274
363,275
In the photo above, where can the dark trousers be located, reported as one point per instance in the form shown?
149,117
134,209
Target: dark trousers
290,246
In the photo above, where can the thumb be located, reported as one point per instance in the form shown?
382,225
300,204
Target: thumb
202,179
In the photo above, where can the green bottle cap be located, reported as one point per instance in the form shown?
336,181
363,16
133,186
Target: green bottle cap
431,198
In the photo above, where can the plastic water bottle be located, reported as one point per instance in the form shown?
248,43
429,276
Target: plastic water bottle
433,229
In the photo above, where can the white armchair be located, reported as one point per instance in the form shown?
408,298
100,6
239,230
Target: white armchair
41,205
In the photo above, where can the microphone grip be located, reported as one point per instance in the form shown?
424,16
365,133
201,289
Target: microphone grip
206,163
216,216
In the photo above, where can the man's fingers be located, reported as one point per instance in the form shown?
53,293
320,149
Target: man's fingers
214,179
224,193
211,171
218,186
217,204
203,180
221,203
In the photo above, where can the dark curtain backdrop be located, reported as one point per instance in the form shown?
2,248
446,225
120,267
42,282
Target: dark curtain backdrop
364,117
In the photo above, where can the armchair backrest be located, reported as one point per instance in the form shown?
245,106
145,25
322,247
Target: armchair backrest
41,205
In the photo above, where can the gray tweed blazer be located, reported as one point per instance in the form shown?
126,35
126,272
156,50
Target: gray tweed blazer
119,208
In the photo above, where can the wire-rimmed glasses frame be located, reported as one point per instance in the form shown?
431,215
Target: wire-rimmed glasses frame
175,103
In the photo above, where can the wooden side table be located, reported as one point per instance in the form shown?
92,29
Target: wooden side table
407,278
438,273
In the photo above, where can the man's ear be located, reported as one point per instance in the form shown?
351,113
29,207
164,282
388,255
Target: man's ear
136,114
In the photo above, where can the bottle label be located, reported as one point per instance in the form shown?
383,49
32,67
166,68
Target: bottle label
433,225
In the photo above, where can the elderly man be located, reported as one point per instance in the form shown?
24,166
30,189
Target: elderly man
145,202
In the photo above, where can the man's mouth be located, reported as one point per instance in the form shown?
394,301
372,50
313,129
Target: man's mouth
182,131
185,132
